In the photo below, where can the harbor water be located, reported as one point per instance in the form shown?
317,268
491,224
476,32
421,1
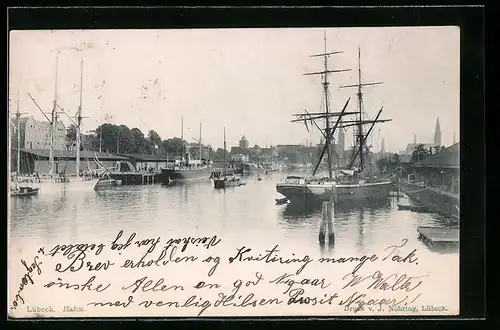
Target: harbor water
245,215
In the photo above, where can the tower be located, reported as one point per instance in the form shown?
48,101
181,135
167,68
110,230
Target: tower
414,138
341,140
243,142
454,139
382,147
437,133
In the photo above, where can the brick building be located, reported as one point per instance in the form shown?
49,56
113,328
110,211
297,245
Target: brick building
35,134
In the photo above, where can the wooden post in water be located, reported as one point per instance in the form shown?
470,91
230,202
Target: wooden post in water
326,232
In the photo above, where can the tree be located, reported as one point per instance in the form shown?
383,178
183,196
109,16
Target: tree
126,140
174,146
108,134
219,155
396,161
71,133
139,140
154,137
419,153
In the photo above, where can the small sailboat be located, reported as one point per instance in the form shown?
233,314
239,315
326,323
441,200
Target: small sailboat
227,178
22,191
20,186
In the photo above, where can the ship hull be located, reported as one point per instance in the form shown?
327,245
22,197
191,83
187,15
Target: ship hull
169,175
340,193
47,185
221,183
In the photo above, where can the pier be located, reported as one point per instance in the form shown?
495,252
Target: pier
439,235
136,178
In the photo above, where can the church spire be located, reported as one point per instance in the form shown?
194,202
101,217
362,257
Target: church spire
437,133
341,137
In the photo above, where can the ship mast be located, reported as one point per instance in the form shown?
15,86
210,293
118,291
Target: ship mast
328,131
327,111
360,107
18,125
53,122
182,140
79,122
361,137
199,145
224,150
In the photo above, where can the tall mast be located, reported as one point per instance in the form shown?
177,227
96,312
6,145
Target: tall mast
182,139
78,122
360,104
18,126
224,150
18,117
327,111
326,114
361,137
53,122
199,142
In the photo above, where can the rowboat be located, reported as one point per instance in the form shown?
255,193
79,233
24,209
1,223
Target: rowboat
23,192
416,208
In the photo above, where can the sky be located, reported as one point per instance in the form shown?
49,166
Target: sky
249,81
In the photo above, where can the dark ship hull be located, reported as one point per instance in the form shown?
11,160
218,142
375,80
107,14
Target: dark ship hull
169,175
340,192
227,183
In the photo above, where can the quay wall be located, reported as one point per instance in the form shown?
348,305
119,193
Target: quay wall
444,203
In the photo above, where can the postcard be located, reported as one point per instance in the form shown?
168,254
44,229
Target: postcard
234,172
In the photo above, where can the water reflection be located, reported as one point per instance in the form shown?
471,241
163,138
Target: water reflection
189,208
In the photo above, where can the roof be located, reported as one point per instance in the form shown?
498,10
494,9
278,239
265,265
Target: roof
404,158
72,154
412,146
150,158
448,157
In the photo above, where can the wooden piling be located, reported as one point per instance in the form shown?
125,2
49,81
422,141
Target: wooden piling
326,230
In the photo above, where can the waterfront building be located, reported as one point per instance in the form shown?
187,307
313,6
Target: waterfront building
35,134
194,150
440,170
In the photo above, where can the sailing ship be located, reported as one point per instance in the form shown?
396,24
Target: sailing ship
226,178
187,169
355,182
82,182
18,186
